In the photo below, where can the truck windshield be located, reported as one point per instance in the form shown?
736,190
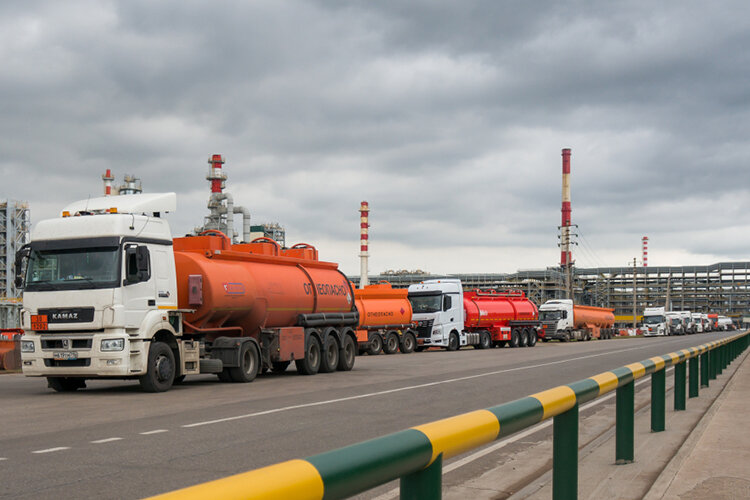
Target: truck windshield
653,320
426,303
73,269
550,315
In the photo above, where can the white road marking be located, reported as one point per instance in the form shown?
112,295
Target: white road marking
107,440
50,450
511,439
1,459
157,431
408,388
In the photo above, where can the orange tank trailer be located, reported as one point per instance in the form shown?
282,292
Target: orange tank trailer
598,320
293,306
384,319
500,318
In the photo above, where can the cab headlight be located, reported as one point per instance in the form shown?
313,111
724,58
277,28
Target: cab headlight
113,344
27,346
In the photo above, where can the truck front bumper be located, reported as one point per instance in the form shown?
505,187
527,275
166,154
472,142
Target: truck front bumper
77,355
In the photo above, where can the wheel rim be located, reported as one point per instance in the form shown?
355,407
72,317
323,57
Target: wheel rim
392,343
408,343
163,368
331,353
248,362
349,351
453,342
314,354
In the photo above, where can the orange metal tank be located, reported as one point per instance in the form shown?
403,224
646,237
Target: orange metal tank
230,287
600,317
381,305
487,308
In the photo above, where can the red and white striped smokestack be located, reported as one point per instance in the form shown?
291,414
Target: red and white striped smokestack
108,178
215,175
565,256
364,224
644,241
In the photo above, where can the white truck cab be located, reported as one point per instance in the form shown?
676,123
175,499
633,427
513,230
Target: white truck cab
99,287
438,310
697,319
675,323
654,322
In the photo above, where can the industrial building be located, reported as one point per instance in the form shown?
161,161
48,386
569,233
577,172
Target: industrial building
15,224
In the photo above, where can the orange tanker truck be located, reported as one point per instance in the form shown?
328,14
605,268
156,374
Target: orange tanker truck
563,320
384,320
109,294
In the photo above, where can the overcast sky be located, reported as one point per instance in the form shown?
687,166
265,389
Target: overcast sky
448,117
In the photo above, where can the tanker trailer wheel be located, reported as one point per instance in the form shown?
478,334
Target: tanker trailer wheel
532,337
524,337
376,344
347,354
330,358
515,338
65,384
408,343
249,364
453,342
310,364
160,371
279,366
391,343
485,341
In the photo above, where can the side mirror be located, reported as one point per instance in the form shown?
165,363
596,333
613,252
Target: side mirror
136,265
22,259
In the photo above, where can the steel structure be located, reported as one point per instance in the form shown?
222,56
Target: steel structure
15,223
722,288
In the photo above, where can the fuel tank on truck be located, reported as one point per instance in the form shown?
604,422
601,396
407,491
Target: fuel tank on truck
593,316
251,287
484,308
382,305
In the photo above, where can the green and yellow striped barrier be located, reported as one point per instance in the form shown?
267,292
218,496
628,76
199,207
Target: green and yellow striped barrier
415,455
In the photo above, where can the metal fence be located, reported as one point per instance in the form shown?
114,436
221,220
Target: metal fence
415,456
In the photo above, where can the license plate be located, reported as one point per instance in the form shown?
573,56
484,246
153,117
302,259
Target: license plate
39,322
65,356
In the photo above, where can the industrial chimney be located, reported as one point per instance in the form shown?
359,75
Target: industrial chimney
364,217
644,242
566,262
108,178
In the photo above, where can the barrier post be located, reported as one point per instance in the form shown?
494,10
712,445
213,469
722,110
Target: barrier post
426,484
704,369
679,386
624,423
712,364
565,455
693,366
658,403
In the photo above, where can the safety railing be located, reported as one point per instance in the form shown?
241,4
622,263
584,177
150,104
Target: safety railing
415,456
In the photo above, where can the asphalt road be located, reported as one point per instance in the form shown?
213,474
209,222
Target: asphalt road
114,441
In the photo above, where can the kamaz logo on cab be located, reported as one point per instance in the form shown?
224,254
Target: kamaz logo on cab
64,315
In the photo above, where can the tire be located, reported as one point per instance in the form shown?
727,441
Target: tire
279,366
249,364
485,340
408,343
329,358
524,337
310,364
65,384
376,344
160,370
515,338
453,342
391,343
532,337
347,354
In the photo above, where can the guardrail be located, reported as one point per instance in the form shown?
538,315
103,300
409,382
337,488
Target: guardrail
415,456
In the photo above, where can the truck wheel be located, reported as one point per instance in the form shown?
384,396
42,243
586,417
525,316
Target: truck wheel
279,366
65,384
515,338
160,371
310,364
408,343
376,344
485,341
524,337
532,337
391,343
453,342
330,358
249,364
346,355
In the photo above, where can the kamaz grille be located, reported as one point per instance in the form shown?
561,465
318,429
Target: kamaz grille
68,362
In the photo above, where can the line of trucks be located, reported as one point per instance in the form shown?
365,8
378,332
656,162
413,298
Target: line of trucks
658,322
108,293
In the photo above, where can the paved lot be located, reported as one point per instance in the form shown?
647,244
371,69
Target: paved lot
113,441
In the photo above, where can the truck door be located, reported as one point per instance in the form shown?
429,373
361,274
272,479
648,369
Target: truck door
452,314
139,289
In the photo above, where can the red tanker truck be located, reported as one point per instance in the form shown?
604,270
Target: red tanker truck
109,294
563,320
384,320
508,317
